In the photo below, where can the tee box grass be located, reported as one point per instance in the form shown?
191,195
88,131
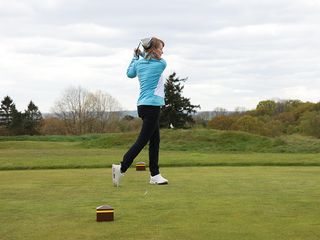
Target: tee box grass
198,203
221,186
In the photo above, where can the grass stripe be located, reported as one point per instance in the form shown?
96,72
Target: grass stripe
222,164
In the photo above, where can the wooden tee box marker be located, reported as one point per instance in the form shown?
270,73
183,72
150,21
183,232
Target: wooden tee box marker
140,166
104,213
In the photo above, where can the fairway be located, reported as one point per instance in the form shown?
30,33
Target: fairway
48,155
199,203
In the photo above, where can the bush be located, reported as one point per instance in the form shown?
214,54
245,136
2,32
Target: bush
4,131
222,122
310,124
288,121
272,128
53,126
248,124
126,125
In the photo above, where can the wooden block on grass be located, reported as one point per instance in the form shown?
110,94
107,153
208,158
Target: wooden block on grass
104,213
140,166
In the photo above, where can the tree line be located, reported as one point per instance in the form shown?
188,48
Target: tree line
79,111
273,118
14,122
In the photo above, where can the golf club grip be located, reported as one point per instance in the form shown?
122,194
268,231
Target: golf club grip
138,46
137,49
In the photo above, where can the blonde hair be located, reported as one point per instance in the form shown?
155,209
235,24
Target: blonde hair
152,51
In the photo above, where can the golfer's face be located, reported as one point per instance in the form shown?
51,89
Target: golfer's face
160,49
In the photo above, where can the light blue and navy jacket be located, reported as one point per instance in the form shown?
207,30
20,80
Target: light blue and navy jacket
149,73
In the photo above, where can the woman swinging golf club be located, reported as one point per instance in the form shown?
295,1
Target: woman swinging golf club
148,66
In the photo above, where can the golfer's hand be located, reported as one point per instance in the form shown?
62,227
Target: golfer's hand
137,52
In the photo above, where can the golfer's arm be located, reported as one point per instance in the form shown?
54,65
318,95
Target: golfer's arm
131,71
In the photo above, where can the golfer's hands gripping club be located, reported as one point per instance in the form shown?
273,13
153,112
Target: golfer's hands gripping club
137,52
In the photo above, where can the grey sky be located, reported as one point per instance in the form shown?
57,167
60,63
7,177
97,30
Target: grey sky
235,53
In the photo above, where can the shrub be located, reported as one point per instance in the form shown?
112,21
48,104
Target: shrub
222,122
310,124
53,126
248,124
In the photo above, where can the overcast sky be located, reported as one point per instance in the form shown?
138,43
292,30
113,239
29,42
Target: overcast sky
234,53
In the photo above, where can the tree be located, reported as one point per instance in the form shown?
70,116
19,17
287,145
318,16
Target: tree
53,126
13,122
222,122
178,109
310,123
11,119
16,123
219,111
32,119
247,123
105,109
272,128
239,110
266,107
288,121
86,112
7,106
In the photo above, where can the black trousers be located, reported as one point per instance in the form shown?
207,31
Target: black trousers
149,133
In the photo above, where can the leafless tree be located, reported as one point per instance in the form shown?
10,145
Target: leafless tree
86,112
219,111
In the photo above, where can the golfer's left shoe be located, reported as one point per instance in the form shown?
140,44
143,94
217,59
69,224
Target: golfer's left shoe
116,174
158,179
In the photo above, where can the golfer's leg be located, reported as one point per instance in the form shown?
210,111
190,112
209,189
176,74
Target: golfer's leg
148,127
154,151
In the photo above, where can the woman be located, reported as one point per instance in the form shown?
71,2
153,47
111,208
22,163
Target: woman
149,68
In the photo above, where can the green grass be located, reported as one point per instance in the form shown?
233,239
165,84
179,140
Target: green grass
194,140
185,148
277,197
178,148
60,155
199,203
50,138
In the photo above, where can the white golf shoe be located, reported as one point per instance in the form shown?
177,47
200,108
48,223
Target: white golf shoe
158,179
116,174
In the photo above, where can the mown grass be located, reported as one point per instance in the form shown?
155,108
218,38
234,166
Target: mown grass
60,155
178,148
55,158
50,138
199,203
194,140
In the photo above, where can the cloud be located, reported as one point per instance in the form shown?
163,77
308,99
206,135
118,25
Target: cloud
58,47
91,31
9,9
297,91
233,53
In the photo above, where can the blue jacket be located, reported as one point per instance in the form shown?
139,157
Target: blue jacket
149,73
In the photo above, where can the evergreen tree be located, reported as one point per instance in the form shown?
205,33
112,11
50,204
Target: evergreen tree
16,123
6,109
178,109
2,117
32,119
